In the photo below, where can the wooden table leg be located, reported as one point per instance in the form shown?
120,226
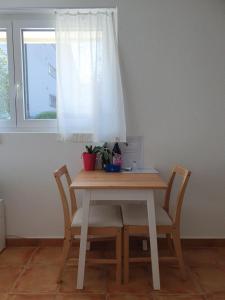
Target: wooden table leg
153,240
83,240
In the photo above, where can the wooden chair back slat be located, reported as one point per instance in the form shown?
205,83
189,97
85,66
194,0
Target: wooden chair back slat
185,174
65,203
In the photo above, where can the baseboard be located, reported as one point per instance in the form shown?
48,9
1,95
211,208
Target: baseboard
33,242
107,243
203,242
186,242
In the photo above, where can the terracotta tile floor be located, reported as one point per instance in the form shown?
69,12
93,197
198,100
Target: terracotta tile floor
30,273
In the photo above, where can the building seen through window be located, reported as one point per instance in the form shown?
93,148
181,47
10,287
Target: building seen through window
4,78
39,71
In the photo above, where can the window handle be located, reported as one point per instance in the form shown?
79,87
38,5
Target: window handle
18,90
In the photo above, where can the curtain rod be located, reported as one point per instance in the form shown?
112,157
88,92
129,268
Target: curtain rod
49,9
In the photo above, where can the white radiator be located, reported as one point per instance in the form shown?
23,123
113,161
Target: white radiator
2,225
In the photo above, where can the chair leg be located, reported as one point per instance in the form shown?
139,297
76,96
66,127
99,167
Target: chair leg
65,254
178,251
118,256
169,242
126,254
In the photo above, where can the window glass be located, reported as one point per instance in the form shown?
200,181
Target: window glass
39,73
4,77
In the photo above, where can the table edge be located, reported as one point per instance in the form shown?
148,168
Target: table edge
116,188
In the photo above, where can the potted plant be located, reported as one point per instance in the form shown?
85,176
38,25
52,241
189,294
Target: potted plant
89,157
105,155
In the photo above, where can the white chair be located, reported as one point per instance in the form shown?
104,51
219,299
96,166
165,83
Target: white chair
104,221
135,220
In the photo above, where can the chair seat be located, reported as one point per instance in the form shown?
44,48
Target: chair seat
136,215
100,216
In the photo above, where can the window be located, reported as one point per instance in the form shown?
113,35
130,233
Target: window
39,73
52,71
52,101
28,75
7,83
4,78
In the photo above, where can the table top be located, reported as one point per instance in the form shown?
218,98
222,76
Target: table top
102,180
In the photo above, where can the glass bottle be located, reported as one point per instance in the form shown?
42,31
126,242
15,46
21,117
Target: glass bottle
117,155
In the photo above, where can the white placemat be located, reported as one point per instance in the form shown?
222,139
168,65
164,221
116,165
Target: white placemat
142,171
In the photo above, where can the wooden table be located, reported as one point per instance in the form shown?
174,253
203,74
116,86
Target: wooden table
99,185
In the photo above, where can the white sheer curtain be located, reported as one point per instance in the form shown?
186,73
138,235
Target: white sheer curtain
90,102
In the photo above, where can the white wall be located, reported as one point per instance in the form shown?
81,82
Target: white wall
173,63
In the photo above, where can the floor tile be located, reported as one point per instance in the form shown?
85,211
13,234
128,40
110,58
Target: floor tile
171,281
16,255
74,253
130,297
95,280
211,278
81,297
179,297
8,276
38,278
221,255
216,296
53,255
47,255
31,297
139,282
201,256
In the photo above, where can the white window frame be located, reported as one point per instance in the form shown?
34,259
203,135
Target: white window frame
24,124
9,124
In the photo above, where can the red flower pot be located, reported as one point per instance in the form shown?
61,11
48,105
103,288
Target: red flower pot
89,160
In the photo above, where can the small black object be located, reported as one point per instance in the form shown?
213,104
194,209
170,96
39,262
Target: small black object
116,149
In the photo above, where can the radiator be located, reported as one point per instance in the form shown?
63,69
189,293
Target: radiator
2,225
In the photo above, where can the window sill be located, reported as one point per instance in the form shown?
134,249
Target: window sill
28,130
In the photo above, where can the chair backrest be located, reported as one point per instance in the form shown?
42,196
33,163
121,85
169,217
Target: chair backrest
185,175
68,213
